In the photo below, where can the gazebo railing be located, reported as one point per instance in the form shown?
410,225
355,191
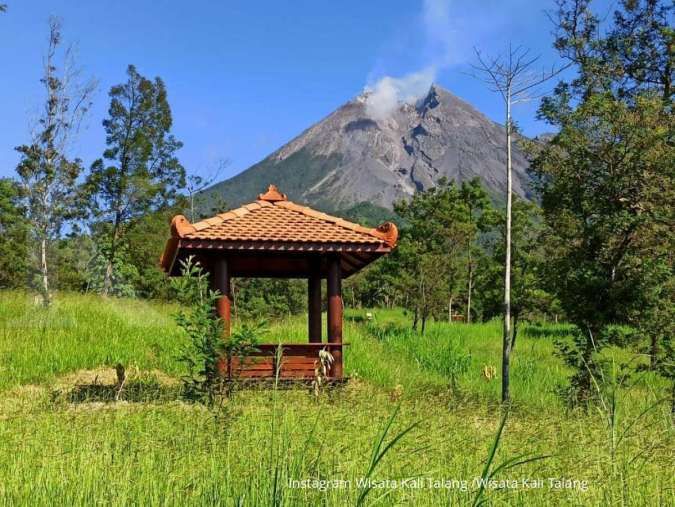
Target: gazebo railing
298,361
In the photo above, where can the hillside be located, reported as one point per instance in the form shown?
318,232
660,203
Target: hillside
352,158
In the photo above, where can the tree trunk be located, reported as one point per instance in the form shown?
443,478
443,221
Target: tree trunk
654,351
450,309
506,342
110,262
469,290
44,272
107,278
415,319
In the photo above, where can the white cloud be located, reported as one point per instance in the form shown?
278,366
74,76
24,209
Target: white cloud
441,50
389,92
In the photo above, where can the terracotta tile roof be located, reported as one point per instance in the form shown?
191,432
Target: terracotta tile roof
273,222
273,218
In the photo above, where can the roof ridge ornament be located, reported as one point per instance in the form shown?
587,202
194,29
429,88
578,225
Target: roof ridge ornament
273,195
180,226
388,232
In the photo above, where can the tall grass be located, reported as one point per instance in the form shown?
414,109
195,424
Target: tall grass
57,448
77,332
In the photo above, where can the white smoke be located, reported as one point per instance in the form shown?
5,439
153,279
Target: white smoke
390,92
441,48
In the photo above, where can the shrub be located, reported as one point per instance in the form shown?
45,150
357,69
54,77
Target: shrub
202,355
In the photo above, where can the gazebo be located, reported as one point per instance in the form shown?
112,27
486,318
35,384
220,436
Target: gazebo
273,237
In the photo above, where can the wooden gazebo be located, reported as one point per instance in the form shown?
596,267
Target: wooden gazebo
275,238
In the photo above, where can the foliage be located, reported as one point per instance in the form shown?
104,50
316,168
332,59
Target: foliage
263,298
142,246
125,275
529,297
139,172
202,356
48,177
72,257
606,178
439,246
242,343
369,214
14,247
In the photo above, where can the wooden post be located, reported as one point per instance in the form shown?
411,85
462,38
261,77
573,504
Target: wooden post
314,308
335,313
221,279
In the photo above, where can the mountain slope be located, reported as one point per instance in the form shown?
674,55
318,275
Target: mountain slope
350,157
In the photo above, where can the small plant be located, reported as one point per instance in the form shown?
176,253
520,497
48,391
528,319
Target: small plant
321,369
202,356
489,372
121,380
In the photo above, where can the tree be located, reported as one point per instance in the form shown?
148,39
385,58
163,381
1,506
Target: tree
47,176
139,172
606,178
442,225
475,205
13,236
513,78
529,297
631,56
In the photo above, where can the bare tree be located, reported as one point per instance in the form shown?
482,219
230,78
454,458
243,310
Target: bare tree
48,178
514,78
194,184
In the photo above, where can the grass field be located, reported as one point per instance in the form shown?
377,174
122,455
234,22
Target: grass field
64,442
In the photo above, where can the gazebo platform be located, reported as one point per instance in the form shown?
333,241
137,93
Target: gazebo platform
275,238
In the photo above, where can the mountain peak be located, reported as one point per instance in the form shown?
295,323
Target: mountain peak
353,157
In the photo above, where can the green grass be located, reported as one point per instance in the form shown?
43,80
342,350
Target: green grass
60,448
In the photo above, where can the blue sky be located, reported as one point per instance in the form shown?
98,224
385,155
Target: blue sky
244,77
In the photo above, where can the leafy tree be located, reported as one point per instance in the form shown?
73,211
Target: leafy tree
529,296
606,179
208,356
477,211
125,275
377,285
442,227
14,248
419,252
139,172
72,256
607,188
48,177
632,55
